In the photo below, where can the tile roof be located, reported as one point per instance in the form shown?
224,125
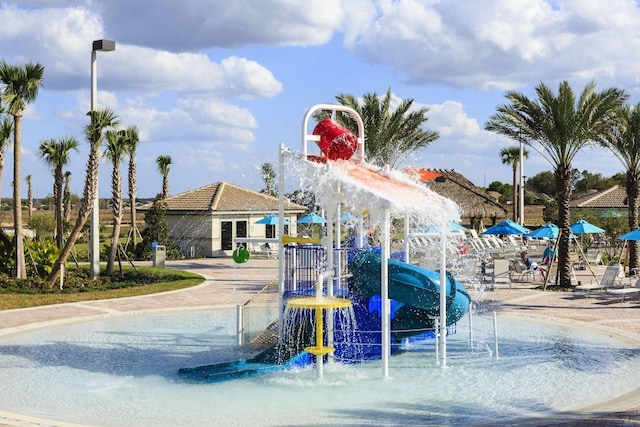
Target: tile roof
614,197
225,197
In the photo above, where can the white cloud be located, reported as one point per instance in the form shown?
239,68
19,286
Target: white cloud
502,43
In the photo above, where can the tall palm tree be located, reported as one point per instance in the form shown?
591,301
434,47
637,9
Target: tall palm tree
6,137
56,155
269,178
164,162
511,156
66,196
29,196
21,83
132,138
392,133
116,143
624,143
558,126
100,120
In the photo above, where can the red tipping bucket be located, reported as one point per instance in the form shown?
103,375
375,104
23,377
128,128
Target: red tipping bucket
336,142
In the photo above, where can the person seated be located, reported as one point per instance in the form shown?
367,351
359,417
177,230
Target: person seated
530,264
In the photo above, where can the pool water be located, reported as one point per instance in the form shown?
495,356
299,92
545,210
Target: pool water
122,371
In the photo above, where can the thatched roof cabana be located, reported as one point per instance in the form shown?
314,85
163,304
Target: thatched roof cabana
476,205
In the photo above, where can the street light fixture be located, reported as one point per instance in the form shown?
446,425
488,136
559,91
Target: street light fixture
94,249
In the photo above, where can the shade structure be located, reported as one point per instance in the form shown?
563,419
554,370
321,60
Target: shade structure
632,235
583,227
507,227
453,226
312,219
271,220
547,231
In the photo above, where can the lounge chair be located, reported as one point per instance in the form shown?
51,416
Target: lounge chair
501,272
612,276
625,290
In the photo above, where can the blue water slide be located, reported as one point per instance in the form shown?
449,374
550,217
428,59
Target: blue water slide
415,290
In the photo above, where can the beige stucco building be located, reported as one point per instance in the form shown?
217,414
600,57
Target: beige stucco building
205,221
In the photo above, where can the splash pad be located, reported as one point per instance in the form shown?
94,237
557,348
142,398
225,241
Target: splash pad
392,300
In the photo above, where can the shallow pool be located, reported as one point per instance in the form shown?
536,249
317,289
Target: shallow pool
122,371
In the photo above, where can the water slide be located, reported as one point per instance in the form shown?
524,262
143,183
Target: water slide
415,292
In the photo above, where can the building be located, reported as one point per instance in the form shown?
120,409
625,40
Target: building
478,208
205,221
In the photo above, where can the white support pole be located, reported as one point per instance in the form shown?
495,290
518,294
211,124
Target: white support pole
495,333
94,231
521,195
443,300
239,324
406,238
283,151
384,294
471,325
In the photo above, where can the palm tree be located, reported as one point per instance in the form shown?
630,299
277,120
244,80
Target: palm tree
511,156
56,155
21,88
116,143
624,143
100,120
66,197
392,134
132,144
163,163
558,126
29,195
6,135
269,178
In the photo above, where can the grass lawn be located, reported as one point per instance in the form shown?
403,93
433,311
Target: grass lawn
150,281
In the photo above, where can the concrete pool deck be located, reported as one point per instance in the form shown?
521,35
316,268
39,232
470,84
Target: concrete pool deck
229,284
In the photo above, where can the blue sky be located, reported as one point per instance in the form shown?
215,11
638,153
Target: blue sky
218,85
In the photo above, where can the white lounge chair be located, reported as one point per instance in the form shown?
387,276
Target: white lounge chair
625,290
501,272
612,276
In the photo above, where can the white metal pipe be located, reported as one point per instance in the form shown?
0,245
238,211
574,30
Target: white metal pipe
495,333
437,333
406,237
283,151
384,294
239,324
443,300
471,325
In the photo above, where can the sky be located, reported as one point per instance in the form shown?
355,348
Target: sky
218,85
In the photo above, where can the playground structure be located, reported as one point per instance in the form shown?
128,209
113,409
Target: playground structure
324,278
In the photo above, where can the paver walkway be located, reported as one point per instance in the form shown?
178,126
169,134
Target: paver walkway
228,284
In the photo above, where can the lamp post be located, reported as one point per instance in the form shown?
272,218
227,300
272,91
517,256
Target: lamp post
94,249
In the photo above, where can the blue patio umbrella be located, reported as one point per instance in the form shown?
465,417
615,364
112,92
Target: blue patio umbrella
453,226
271,220
347,217
632,235
547,231
507,227
583,227
312,219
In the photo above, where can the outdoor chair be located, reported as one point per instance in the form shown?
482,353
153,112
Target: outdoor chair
612,276
501,271
529,273
625,290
